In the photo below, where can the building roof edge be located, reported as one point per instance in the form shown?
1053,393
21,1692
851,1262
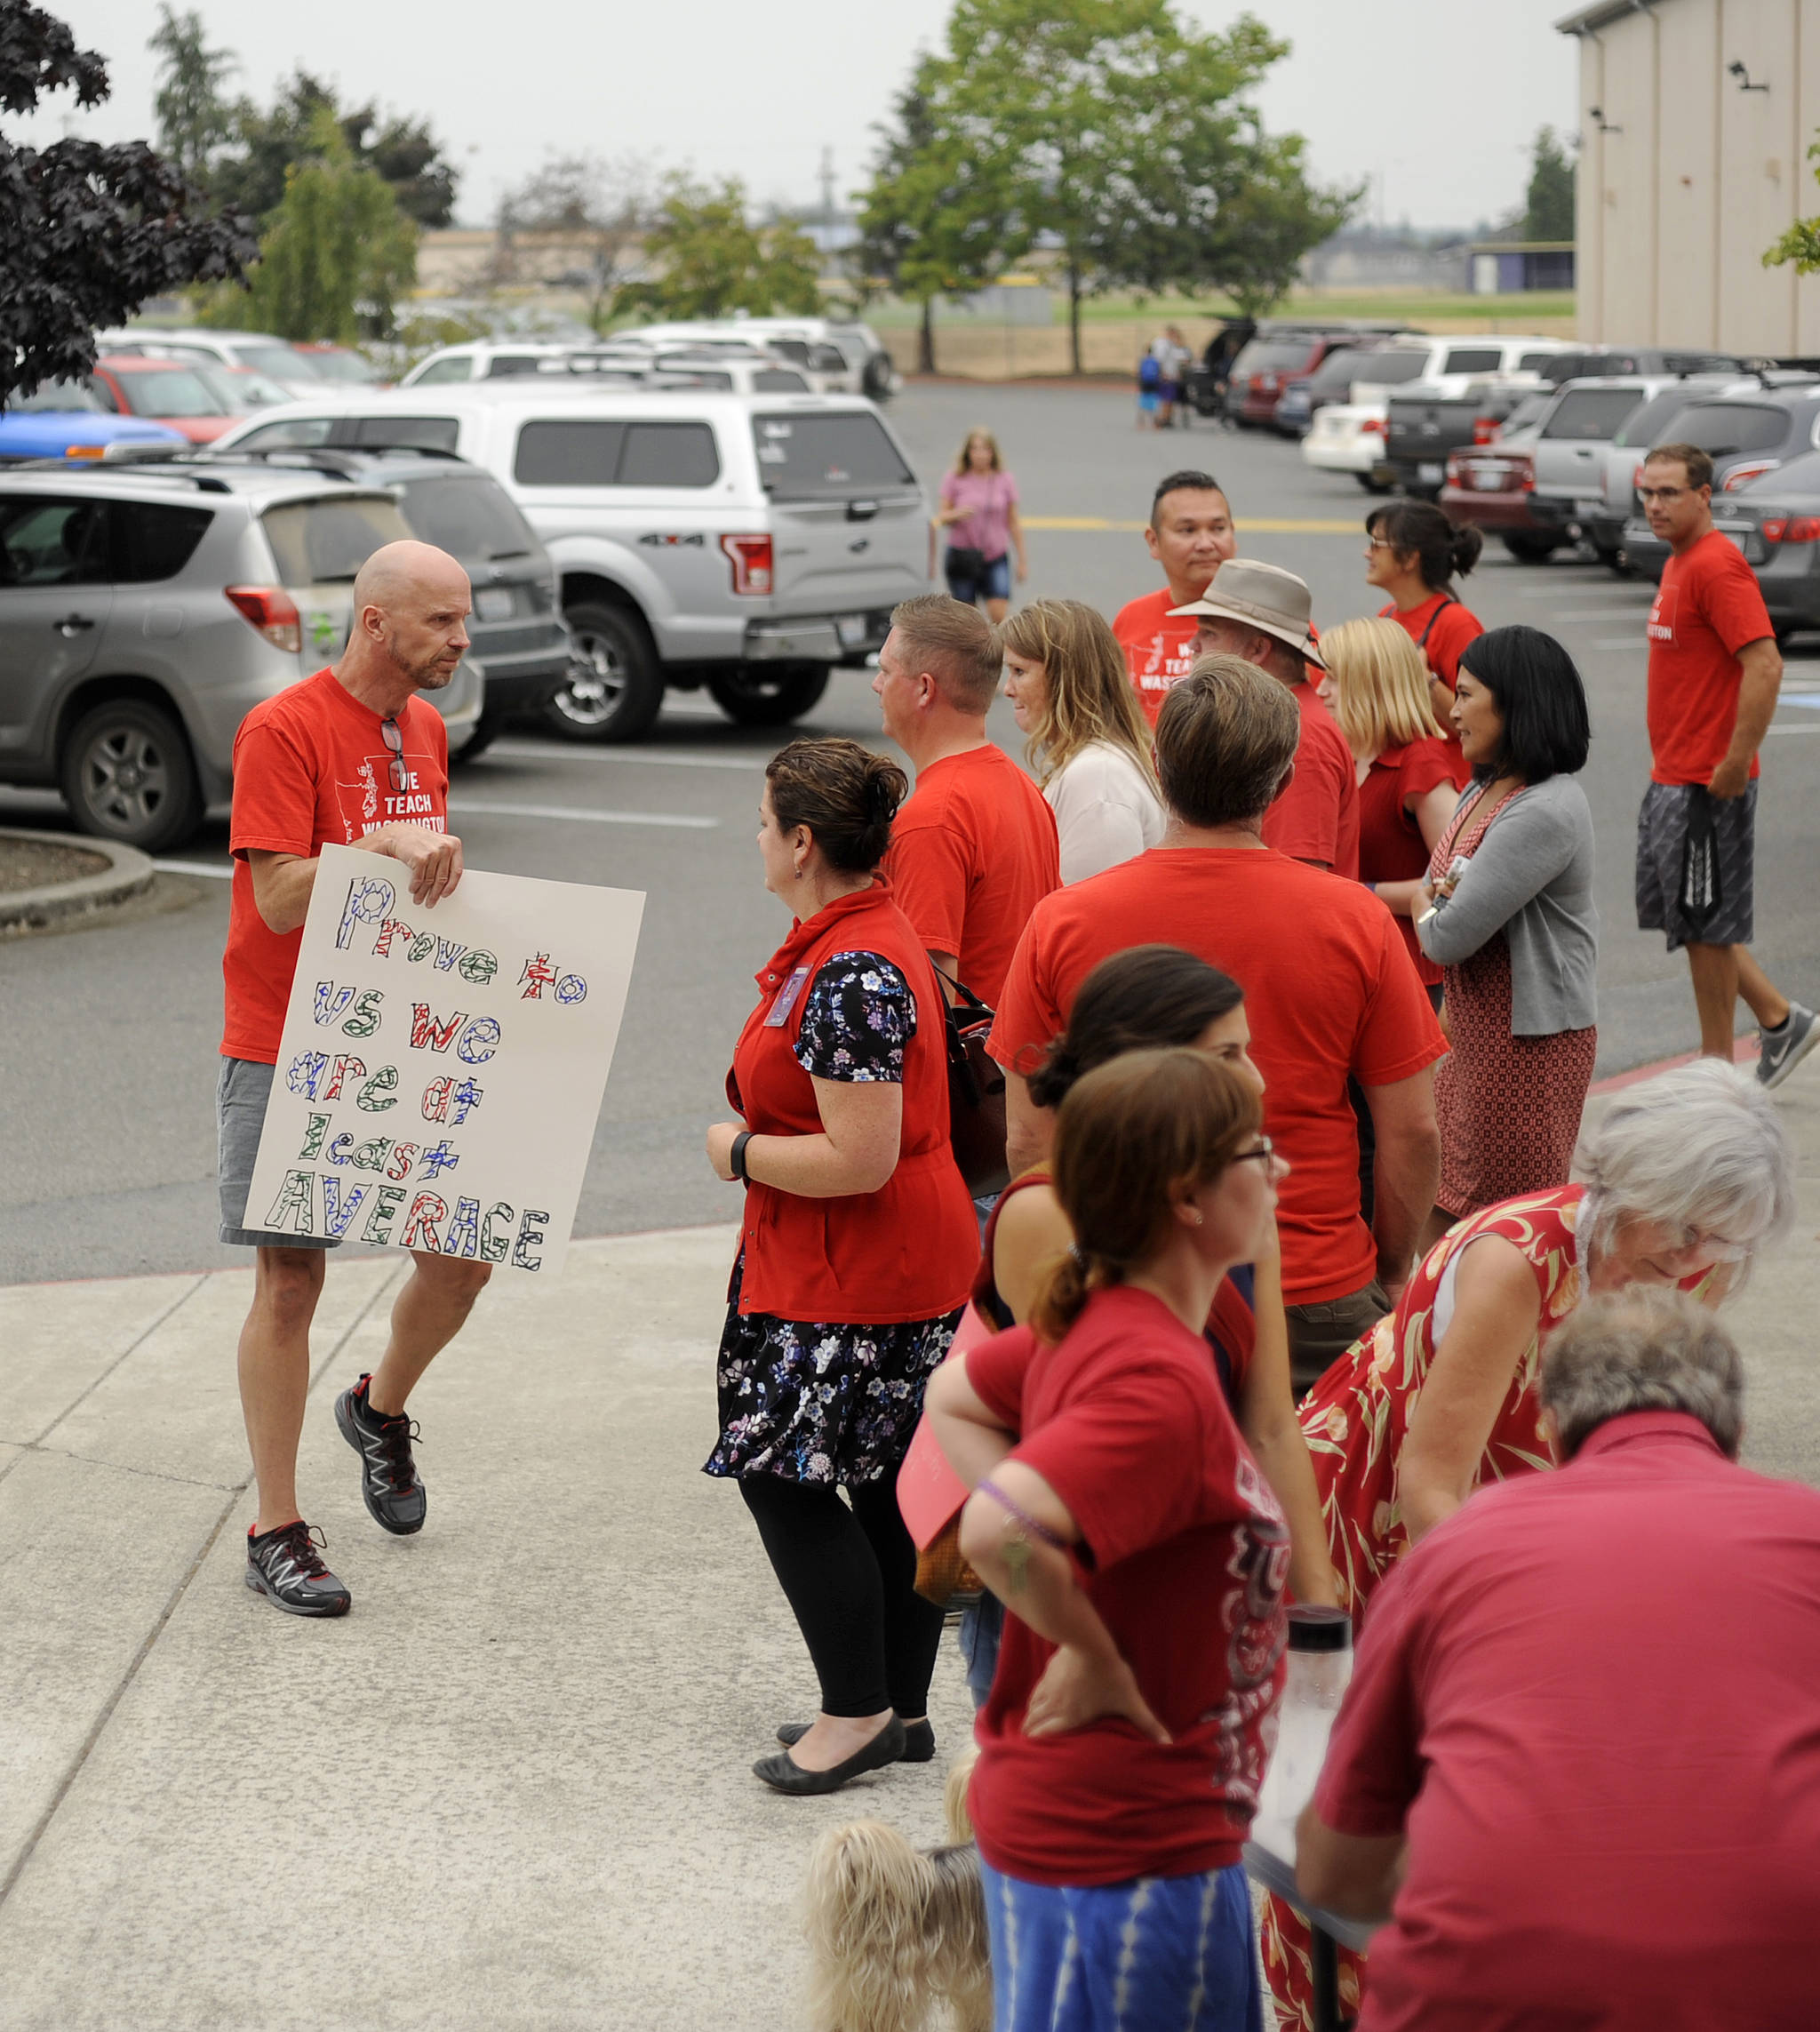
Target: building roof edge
1583,19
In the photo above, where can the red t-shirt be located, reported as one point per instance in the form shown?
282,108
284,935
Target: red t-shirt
1455,626
1317,816
973,851
1184,1552
1390,847
311,766
1588,1696
1707,608
1329,991
1159,648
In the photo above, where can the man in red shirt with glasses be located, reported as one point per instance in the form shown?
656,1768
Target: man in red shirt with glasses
351,756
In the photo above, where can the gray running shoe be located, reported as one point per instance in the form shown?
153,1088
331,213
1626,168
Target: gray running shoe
1785,1049
286,1567
389,1483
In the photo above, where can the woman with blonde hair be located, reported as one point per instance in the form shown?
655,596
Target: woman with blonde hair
1071,694
979,512
1409,773
1141,1556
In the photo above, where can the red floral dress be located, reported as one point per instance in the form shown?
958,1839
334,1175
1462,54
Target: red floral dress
1355,1420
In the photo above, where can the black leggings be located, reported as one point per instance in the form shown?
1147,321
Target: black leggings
848,1575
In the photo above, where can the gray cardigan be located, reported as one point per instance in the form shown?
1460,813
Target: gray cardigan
1531,878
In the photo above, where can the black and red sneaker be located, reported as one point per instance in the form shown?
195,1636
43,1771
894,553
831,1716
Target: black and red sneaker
285,1565
388,1479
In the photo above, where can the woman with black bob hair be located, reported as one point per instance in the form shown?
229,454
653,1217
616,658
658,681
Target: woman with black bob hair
1415,555
1507,910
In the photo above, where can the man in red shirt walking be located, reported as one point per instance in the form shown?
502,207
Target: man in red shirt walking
1190,534
974,848
1714,671
353,756
1576,1768
1261,612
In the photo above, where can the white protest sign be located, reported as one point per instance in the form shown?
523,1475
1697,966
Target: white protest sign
442,1070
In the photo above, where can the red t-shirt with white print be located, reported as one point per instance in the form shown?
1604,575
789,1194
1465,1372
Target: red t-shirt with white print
311,768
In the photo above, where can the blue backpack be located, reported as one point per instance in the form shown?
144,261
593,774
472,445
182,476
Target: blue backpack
1149,371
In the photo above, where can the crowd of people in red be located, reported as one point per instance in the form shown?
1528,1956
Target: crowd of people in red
1289,942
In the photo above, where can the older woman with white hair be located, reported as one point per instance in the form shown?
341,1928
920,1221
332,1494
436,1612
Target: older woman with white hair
1686,1178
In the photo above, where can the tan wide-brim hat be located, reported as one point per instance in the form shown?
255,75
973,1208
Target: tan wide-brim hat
1261,597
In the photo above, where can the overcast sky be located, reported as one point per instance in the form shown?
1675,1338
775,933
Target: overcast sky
1435,102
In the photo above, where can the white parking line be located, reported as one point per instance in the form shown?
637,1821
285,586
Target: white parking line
526,751
194,867
465,805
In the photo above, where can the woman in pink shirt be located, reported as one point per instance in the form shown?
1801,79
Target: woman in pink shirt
979,512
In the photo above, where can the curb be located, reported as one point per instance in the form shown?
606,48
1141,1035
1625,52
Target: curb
129,874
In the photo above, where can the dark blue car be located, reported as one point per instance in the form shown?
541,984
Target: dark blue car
66,419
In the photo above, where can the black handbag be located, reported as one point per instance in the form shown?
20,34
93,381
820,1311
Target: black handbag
962,564
1703,890
976,1095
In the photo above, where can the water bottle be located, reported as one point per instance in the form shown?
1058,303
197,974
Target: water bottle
1320,1665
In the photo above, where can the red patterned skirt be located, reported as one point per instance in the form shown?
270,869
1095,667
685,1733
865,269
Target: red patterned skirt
1509,1107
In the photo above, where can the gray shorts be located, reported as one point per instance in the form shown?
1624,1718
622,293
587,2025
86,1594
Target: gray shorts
240,1114
1662,838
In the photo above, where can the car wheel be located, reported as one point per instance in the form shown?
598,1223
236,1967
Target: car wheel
486,731
614,690
127,774
1531,549
757,695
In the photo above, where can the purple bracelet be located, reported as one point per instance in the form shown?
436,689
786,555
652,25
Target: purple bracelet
1023,1515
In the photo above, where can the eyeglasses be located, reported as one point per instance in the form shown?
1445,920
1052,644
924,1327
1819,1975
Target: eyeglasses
1262,1154
1379,543
395,740
1648,494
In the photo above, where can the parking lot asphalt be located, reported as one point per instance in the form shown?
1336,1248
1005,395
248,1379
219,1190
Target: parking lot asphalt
107,1076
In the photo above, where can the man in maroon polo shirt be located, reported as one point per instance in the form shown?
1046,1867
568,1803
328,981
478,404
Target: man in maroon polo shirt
1577,1768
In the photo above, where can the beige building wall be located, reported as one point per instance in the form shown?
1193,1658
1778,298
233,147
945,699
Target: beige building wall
1686,177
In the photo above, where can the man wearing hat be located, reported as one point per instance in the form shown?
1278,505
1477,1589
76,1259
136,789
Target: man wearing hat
1261,612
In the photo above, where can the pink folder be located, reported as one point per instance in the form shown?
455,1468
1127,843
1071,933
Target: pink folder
928,1491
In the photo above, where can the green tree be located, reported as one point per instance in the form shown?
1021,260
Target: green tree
337,255
87,232
709,260
196,120
606,205
1548,212
939,218
401,151
1266,216
1802,243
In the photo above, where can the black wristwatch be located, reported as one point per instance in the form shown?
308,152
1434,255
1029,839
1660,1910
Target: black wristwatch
736,1159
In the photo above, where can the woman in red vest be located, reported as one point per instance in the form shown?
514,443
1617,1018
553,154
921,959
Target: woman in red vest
857,1248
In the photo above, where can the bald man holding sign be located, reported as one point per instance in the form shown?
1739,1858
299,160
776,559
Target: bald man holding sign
352,756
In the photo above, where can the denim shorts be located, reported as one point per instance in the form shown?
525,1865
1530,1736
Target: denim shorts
993,584
240,1114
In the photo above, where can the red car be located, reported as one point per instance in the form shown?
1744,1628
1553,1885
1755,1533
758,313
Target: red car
165,390
1268,363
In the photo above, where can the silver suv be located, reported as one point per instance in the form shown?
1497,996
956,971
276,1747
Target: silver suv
744,543
143,612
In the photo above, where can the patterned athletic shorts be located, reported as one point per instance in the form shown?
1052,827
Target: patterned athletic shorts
1662,837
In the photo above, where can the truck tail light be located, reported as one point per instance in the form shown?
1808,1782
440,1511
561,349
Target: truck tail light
1792,529
751,559
272,612
1484,429
1373,426
1753,470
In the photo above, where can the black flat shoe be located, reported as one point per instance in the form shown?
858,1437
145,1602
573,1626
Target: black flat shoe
919,1740
783,1773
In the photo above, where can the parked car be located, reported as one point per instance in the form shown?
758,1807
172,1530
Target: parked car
68,420
1610,499
520,646
261,350
747,544
241,389
1745,436
1354,438
1263,368
1774,520
165,390
683,367
341,364
144,610
1363,364
484,360
1491,485
1600,363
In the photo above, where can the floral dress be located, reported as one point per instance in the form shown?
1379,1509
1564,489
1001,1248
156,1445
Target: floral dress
817,1400
1355,1420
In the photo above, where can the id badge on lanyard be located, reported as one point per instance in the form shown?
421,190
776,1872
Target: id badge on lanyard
778,1013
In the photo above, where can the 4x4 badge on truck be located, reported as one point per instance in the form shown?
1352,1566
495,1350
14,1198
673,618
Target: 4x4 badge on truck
660,539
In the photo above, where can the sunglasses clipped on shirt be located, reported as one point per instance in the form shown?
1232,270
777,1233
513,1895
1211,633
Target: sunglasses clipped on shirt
395,742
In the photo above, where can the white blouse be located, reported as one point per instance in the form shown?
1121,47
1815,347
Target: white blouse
1105,812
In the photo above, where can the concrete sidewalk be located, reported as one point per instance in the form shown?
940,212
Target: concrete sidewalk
511,1788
